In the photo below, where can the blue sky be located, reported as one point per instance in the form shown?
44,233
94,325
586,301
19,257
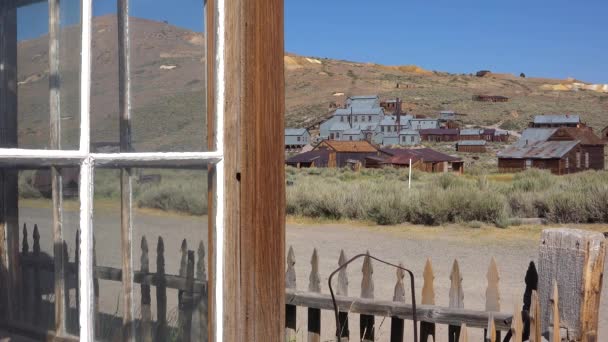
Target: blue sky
552,38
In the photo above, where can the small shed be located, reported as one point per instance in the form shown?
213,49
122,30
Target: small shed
424,159
471,146
343,153
309,159
471,134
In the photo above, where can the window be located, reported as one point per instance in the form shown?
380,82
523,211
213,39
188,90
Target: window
350,138
341,118
331,136
356,118
528,163
412,138
567,162
586,160
382,128
369,118
578,159
108,73
337,136
363,118
298,139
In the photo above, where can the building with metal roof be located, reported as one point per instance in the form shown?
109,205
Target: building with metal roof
296,138
556,120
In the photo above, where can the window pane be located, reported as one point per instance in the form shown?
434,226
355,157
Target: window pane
34,298
34,59
169,206
167,75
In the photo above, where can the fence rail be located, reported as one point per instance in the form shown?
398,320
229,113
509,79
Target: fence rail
191,284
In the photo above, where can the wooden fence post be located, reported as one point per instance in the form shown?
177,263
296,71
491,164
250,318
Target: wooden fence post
427,329
517,325
398,296
490,331
456,299
367,322
146,300
37,287
342,290
464,335
290,310
575,259
535,315
201,275
161,292
185,303
25,293
183,270
493,293
314,286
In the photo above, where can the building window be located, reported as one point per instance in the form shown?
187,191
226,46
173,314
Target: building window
369,118
586,160
363,118
528,163
337,135
331,136
341,119
412,138
382,129
578,160
567,162
350,138
298,138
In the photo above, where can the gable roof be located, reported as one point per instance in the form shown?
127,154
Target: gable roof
348,146
308,157
295,131
557,119
584,135
439,131
426,154
541,150
532,136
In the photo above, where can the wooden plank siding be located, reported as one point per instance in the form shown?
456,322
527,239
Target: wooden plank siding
566,165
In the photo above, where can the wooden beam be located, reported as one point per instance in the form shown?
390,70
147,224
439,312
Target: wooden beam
425,313
253,172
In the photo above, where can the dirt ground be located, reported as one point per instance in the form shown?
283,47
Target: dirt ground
513,249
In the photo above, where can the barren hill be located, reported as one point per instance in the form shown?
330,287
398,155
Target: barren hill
167,73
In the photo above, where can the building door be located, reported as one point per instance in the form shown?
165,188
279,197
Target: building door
528,163
106,263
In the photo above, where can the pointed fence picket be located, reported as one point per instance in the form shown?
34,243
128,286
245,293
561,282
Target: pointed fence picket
190,282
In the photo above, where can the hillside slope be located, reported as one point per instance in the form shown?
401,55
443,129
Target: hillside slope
167,74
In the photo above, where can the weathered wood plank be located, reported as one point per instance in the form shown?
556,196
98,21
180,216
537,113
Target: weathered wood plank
493,292
535,314
490,331
554,333
342,290
183,269
456,299
367,322
314,286
201,275
290,310
464,334
397,327
575,259
186,301
426,313
146,300
427,329
517,326
161,292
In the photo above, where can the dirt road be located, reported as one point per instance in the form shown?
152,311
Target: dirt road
513,249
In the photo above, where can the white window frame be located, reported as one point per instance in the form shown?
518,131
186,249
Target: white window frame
87,162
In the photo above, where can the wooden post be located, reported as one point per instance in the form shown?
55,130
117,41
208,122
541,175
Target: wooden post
183,270
290,310
314,286
397,327
253,169
490,332
493,293
464,335
37,288
95,291
517,325
185,303
25,293
427,329
126,186
342,290
367,322
201,275
554,333
146,300
535,314
161,292
456,299
574,258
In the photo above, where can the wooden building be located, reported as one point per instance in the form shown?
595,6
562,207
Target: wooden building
471,134
562,151
439,134
423,159
494,135
345,153
490,98
556,120
471,146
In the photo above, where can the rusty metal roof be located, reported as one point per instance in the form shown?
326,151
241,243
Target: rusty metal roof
348,146
426,154
541,150
531,136
439,131
557,119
